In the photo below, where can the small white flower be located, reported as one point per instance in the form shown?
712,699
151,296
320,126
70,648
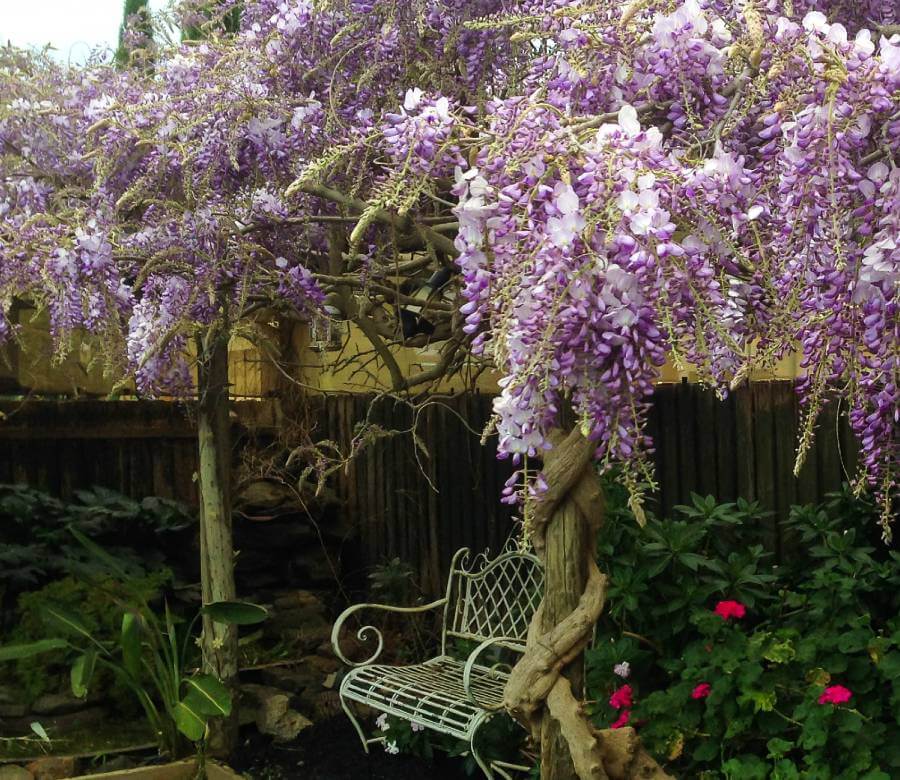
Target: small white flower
416,727
391,747
623,669
754,212
412,99
381,722
628,120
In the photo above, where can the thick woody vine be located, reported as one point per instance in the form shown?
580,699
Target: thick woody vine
543,689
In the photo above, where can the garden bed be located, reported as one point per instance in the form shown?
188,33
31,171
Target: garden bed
331,750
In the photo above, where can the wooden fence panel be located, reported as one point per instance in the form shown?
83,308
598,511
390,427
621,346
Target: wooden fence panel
422,508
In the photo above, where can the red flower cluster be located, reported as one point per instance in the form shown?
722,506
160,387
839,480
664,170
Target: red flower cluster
730,609
835,694
622,720
621,699
701,691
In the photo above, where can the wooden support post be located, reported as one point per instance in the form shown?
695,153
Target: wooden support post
219,642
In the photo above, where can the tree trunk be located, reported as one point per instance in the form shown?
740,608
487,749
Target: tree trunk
545,689
219,641
565,577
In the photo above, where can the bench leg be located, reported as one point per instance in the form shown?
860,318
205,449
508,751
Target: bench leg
356,724
483,765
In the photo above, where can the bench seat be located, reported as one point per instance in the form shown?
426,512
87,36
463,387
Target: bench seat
430,694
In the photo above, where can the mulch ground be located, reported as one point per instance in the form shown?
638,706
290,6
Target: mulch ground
331,750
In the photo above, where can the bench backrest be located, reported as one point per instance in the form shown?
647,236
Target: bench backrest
492,597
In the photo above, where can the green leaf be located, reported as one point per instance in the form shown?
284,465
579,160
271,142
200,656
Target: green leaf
236,613
189,722
207,695
66,621
762,701
99,554
82,672
38,729
780,652
131,643
706,751
778,747
17,652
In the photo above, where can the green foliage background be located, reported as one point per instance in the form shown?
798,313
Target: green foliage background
826,615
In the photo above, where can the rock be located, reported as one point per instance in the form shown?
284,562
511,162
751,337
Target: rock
301,617
57,704
13,710
326,704
307,637
325,650
7,695
298,599
57,725
295,679
117,764
313,569
324,664
52,768
12,772
274,715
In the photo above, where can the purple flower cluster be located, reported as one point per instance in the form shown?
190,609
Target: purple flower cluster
421,137
707,181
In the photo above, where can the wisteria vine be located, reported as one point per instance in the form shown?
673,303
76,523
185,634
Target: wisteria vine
708,181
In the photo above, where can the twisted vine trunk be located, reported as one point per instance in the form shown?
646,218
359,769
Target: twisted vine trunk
545,689
219,642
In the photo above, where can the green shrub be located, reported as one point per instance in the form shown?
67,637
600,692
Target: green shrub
99,604
36,547
740,697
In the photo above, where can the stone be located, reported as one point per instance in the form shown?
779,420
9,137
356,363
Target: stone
294,679
298,617
326,705
53,768
7,695
298,599
274,715
307,637
13,772
324,664
13,710
57,704
58,725
325,650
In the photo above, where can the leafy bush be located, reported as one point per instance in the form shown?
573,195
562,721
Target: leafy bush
99,603
150,656
35,546
741,667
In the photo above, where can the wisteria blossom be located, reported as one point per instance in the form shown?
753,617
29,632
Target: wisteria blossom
616,185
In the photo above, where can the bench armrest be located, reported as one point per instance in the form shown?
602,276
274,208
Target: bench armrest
365,631
508,642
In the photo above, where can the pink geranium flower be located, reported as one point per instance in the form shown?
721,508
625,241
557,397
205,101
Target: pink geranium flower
622,720
835,694
730,609
701,691
621,698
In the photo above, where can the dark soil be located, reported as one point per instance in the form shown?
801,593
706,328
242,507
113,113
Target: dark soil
331,750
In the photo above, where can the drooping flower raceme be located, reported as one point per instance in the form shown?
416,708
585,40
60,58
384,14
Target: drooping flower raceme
706,182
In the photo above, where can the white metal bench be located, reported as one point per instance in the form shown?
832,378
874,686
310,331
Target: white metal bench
490,601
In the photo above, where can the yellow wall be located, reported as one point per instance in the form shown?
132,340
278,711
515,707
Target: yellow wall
253,375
